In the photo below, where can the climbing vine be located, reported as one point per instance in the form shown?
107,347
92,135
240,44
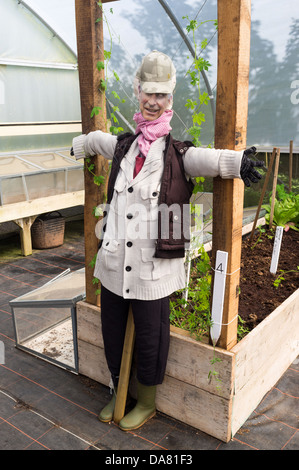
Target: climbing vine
114,128
190,308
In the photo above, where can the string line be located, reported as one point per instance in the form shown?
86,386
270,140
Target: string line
225,324
225,274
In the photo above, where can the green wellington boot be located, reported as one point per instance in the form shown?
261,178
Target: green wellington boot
144,409
106,415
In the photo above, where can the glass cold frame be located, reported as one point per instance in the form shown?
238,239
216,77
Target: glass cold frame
45,319
27,176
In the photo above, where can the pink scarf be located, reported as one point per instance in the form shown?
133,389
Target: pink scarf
151,130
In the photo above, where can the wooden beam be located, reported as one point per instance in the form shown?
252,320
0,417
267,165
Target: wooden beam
25,234
35,207
90,44
234,22
125,369
275,176
263,192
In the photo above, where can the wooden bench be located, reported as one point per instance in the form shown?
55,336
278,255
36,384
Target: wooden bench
25,213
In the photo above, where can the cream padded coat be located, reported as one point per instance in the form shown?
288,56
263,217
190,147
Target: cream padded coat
125,263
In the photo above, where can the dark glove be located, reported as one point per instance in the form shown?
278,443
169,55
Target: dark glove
247,171
72,151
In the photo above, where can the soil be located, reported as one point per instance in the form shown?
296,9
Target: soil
258,296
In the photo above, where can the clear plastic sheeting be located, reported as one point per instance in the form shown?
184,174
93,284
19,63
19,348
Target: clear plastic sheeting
39,81
63,289
39,78
45,319
273,82
28,176
29,37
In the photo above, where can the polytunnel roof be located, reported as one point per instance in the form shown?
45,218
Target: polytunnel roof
27,36
50,23
274,84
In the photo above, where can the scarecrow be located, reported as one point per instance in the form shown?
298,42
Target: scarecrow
143,238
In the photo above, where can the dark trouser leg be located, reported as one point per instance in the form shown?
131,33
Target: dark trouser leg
151,320
114,315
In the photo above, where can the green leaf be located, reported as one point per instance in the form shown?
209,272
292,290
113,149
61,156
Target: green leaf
190,104
204,98
98,180
199,118
95,111
100,65
93,261
107,55
114,118
115,130
115,95
204,43
103,84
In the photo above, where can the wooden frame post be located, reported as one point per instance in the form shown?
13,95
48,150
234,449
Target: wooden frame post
90,44
234,23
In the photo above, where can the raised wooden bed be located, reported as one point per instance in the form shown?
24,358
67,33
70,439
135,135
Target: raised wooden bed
246,372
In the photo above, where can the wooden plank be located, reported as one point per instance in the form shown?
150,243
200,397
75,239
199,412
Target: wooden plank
92,362
125,369
263,356
25,234
263,192
89,325
230,132
41,129
188,360
19,210
203,410
191,362
275,176
206,411
90,45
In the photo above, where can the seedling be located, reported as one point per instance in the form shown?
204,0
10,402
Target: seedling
281,277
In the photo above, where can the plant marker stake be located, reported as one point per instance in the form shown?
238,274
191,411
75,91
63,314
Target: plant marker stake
218,295
276,249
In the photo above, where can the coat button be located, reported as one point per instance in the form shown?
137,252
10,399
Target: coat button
129,244
128,268
130,189
155,194
129,216
127,291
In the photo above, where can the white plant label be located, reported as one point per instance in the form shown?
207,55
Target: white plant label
218,294
276,249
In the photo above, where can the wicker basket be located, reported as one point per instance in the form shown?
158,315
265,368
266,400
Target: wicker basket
48,231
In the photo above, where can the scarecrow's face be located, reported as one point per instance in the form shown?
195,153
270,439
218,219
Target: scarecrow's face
153,105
